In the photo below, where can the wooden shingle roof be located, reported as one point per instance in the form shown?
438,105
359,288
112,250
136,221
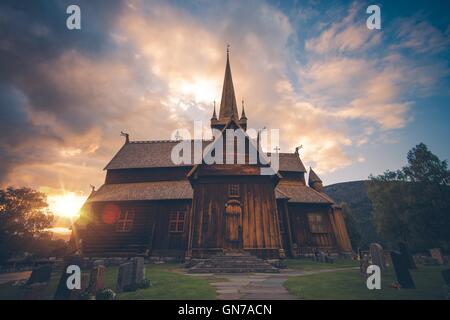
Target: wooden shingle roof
157,190
299,193
156,154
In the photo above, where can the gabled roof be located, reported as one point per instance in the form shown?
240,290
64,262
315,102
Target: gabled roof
291,162
299,193
313,177
262,159
148,154
156,154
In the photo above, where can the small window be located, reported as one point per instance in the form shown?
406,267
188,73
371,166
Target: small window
317,223
125,221
176,221
233,190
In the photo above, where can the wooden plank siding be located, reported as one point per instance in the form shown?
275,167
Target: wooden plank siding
149,234
306,240
259,217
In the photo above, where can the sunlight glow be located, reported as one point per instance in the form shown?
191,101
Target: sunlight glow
66,205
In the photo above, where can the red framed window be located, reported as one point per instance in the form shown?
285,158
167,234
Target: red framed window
125,221
317,223
233,190
176,221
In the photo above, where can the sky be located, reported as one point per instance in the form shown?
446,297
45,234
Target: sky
356,99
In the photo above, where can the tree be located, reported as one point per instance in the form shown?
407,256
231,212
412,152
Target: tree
413,204
24,218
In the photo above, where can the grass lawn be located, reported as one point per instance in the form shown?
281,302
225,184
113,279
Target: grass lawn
167,283
350,285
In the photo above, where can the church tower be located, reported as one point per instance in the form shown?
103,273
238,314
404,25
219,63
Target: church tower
228,106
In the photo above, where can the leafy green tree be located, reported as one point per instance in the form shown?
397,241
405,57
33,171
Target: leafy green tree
24,217
413,204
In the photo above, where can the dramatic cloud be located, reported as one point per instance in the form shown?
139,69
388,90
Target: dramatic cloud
149,68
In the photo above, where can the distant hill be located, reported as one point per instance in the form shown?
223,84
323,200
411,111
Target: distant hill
354,193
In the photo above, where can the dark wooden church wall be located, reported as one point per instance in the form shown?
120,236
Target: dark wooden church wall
306,240
150,229
259,220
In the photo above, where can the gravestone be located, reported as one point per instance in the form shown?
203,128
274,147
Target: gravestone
377,254
446,275
125,276
40,274
138,270
437,254
97,279
401,268
35,291
406,255
76,294
62,292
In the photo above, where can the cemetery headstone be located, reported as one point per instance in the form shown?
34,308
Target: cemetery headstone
377,254
76,294
437,254
401,268
138,270
446,275
40,274
97,279
125,276
62,292
407,255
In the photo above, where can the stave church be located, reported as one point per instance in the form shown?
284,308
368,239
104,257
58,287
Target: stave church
150,206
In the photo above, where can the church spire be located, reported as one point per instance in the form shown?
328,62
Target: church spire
228,107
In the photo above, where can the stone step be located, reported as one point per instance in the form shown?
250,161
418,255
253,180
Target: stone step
231,263
233,270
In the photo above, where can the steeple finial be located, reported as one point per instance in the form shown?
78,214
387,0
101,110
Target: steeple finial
228,107
243,111
214,116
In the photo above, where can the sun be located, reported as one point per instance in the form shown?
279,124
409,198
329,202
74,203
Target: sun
66,205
